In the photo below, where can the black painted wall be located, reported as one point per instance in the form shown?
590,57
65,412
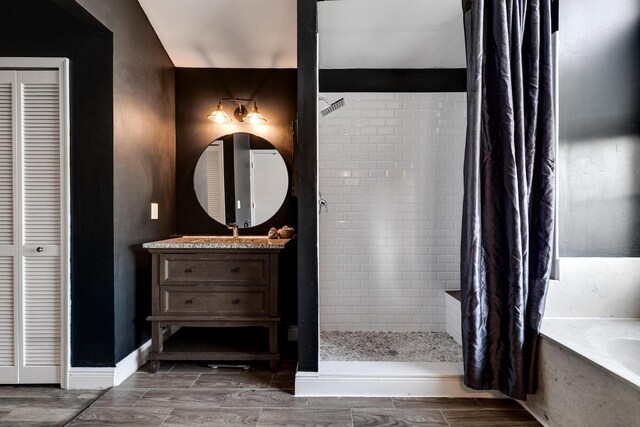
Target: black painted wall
122,158
307,185
393,80
599,156
144,160
40,28
197,94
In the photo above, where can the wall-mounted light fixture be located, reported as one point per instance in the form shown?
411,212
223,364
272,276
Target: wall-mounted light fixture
240,113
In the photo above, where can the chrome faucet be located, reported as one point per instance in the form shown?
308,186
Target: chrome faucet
233,226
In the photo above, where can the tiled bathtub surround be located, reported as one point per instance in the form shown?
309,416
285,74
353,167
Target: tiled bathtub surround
389,346
391,172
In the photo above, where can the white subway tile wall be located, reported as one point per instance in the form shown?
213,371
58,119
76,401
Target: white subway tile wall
391,172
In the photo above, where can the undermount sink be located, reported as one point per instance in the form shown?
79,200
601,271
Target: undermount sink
213,242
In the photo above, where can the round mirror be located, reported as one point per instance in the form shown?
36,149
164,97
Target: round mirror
241,179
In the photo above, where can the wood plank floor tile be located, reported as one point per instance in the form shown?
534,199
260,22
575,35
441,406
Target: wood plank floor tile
287,366
165,367
398,417
284,381
435,403
193,398
30,424
265,368
123,416
200,368
10,403
260,368
305,417
489,417
120,397
51,415
249,380
192,394
228,417
47,392
499,404
79,423
350,402
262,398
146,380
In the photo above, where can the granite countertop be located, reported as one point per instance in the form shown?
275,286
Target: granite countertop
217,242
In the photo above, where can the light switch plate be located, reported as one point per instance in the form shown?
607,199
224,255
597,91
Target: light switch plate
154,211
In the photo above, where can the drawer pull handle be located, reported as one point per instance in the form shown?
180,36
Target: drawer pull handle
235,270
189,270
236,301
189,301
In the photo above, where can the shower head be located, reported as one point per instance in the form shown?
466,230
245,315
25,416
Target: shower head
332,106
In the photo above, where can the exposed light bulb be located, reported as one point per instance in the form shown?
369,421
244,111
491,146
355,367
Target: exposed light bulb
254,117
219,116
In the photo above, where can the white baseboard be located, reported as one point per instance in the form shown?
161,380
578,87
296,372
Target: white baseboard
90,378
130,364
386,379
101,378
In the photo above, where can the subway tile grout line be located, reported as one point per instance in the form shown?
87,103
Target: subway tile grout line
381,146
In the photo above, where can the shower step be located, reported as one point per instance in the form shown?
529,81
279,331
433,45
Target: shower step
428,379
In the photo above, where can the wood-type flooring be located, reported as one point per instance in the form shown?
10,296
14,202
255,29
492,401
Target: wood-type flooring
192,394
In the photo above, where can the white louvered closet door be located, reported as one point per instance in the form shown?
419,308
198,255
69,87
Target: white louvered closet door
9,343
30,218
40,185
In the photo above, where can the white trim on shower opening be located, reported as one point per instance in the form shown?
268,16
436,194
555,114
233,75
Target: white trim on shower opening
388,379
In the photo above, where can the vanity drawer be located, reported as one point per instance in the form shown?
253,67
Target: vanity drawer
202,301
241,269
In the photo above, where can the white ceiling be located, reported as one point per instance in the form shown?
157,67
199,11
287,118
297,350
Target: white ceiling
391,34
352,33
226,33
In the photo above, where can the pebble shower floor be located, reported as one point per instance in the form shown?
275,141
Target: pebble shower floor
389,346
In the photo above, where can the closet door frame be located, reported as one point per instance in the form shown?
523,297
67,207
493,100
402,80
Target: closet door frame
62,67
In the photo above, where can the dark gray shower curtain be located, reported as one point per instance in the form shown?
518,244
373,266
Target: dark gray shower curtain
508,213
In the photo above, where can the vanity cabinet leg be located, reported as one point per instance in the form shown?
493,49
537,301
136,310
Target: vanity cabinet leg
273,345
156,337
156,345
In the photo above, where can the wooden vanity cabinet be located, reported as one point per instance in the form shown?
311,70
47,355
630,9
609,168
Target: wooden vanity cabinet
214,288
